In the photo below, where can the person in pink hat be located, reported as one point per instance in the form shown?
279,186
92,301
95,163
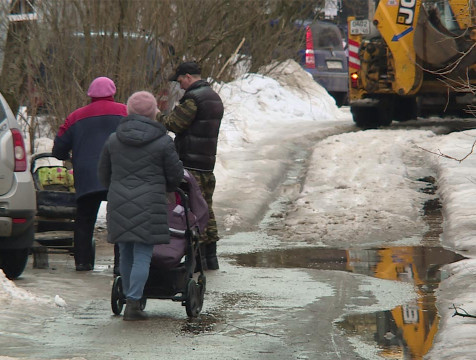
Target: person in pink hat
81,138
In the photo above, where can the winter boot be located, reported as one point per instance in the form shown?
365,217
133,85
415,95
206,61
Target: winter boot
133,311
211,256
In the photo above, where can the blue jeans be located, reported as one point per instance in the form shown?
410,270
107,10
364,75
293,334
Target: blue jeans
134,264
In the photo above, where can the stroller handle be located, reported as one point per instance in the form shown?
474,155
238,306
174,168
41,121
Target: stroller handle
35,157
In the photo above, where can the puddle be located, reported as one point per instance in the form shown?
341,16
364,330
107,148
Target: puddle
205,322
406,331
372,262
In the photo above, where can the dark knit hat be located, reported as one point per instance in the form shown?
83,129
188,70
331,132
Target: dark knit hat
190,67
142,103
101,87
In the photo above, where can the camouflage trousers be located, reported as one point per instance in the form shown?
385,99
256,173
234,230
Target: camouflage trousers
206,181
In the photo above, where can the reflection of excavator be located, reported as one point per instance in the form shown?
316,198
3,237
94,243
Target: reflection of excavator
408,329
417,57
416,322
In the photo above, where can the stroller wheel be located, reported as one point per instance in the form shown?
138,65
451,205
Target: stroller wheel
202,285
117,296
192,302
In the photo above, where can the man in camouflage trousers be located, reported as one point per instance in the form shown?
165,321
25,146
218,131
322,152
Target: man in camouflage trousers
196,123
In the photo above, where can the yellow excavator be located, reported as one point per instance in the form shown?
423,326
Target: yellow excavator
412,58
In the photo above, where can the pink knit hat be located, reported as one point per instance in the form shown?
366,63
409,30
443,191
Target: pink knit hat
101,87
142,103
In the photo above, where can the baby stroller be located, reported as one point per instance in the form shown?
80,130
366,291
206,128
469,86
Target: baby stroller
56,204
173,265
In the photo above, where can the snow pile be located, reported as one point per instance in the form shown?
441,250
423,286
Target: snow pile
293,78
347,173
256,104
10,292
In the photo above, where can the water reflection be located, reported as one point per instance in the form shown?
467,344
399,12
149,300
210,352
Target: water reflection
405,332
408,330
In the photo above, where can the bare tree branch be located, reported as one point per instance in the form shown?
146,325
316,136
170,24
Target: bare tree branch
463,314
439,153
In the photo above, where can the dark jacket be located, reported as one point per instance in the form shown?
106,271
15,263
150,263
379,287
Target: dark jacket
84,132
139,164
197,146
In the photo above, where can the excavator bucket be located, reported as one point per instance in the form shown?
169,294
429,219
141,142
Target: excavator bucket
434,45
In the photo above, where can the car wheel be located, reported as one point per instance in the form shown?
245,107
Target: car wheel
13,262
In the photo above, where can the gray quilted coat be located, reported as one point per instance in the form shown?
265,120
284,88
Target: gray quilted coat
139,164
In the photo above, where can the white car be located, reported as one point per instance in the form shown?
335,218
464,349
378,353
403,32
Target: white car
17,196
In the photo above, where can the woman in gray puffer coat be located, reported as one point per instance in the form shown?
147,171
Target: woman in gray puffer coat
138,165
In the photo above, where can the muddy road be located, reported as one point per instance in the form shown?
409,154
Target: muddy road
286,289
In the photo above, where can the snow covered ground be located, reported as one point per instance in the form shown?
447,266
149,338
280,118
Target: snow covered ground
348,170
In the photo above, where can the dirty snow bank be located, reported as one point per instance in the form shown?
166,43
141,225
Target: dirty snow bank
457,190
346,174
10,293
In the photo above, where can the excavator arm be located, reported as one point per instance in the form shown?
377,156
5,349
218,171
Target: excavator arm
396,22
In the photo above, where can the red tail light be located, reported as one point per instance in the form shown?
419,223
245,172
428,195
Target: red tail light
19,151
310,61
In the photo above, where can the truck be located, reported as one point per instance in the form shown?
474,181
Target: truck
412,58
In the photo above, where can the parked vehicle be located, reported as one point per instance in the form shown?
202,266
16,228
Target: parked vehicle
17,196
412,58
325,58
